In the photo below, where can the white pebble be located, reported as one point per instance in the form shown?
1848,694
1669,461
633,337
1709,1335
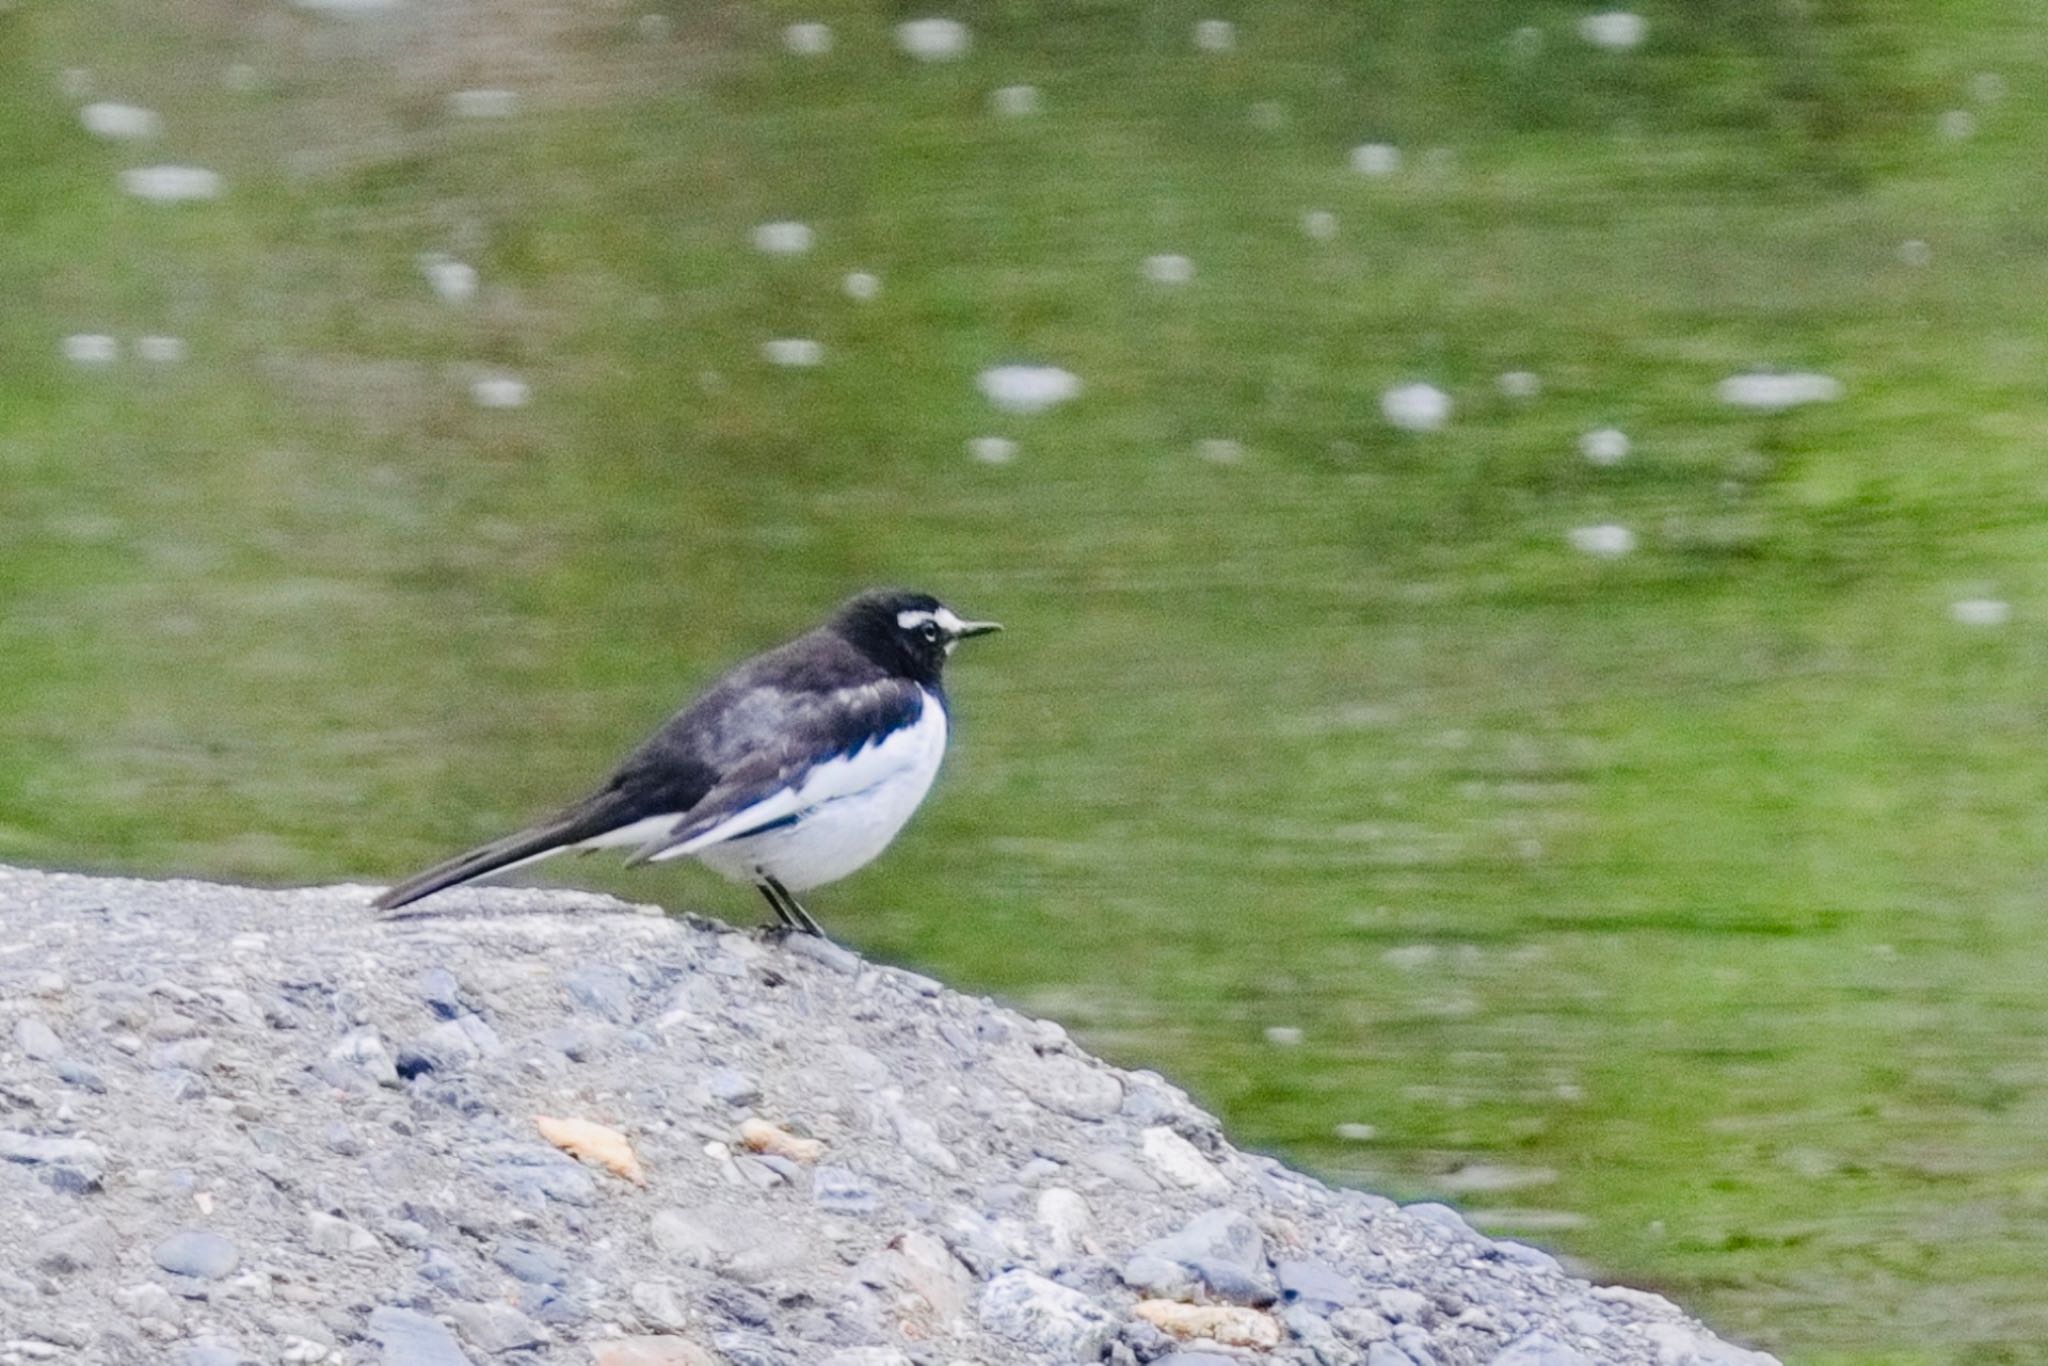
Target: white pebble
1616,30
1014,101
992,450
784,239
453,280
1358,1133
1283,1036
860,285
933,40
1769,393
1957,124
1028,388
108,120
1375,159
1915,252
91,348
797,352
1981,612
1220,450
1215,35
808,39
500,391
1169,269
161,350
1180,1162
1604,446
484,104
171,184
1520,384
1320,224
1606,540
1416,407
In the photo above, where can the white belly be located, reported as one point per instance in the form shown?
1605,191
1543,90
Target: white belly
862,801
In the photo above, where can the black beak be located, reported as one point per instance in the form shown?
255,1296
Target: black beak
975,628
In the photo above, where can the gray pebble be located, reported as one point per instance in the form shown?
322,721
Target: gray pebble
72,1072
732,1086
842,1192
1316,1286
602,990
822,951
77,1246
410,1338
494,1327
532,1262
441,992
1033,1312
34,1037
197,1253
1538,1349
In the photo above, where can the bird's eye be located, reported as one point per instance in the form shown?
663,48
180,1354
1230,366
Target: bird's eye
930,631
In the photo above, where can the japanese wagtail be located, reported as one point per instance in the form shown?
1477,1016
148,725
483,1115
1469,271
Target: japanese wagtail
790,772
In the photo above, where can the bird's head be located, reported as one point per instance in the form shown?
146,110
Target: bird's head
907,633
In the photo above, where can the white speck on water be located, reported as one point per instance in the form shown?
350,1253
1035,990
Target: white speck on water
992,450
799,353
1169,269
1028,388
1416,407
1014,101
347,6
453,280
1987,86
1320,225
1526,41
1520,384
1375,159
161,350
1358,1133
483,104
1283,1036
1409,957
860,285
1767,392
1956,124
1607,540
808,39
1220,450
655,28
933,40
1215,35
784,239
1915,252
1980,612
240,77
1269,115
500,391
171,184
75,82
1604,446
109,120
1616,30
91,348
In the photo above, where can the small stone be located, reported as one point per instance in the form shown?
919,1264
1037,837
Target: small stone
197,1253
534,1263
34,1037
483,104
150,1301
763,1137
77,1246
1616,30
91,348
500,391
1316,1286
1538,1349
493,1327
861,286
410,1338
171,184
593,1142
659,1305
1606,541
824,952
1416,407
1376,159
839,1191
105,119
1176,1159
868,1356
933,40
648,1351
1224,1235
1227,1324
732,1086
1604,446
1067,1218
811,39
917,1137
331,1233
796,353
784,239
1056,1323
1215,35
1014,101
1065,1085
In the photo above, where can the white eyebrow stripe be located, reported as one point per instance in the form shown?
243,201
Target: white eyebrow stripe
944,616
911,620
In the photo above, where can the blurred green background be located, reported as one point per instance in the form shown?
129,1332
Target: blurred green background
1680,911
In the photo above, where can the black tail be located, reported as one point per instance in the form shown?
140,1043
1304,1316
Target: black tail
549,838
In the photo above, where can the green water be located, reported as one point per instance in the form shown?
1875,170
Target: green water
1680,912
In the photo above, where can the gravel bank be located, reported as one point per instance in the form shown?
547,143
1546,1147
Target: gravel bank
520,1127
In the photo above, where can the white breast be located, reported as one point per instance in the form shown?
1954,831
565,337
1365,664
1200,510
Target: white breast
847,809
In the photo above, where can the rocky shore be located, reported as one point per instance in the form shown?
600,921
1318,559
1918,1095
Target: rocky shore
525,1126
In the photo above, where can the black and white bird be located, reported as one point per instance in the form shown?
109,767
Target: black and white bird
790,772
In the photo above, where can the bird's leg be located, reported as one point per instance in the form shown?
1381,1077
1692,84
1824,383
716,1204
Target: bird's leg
793,912
768,893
